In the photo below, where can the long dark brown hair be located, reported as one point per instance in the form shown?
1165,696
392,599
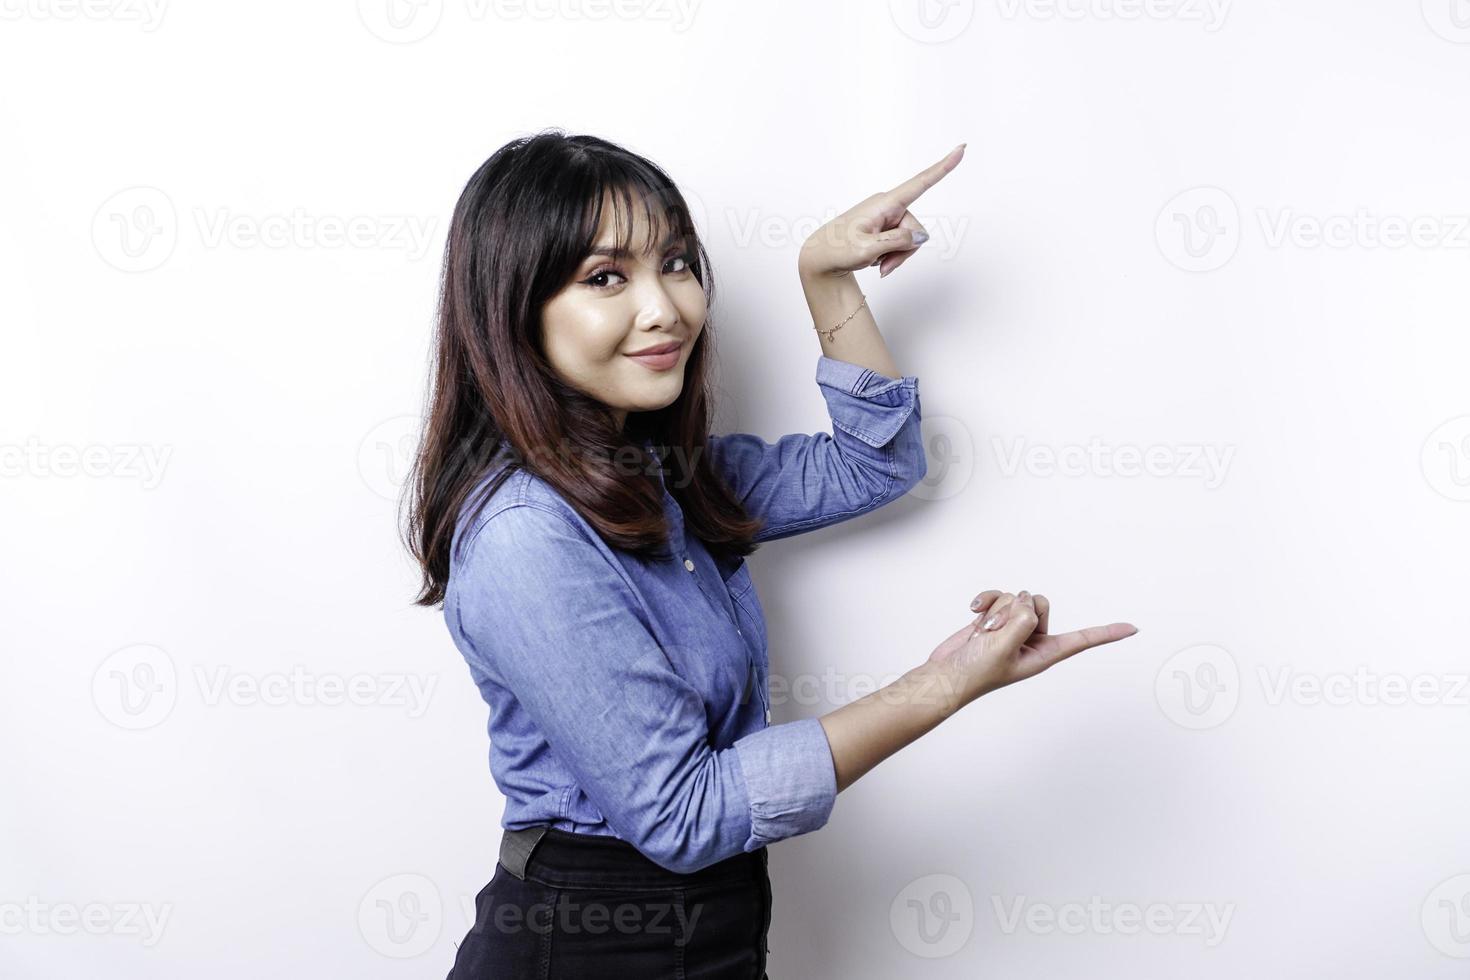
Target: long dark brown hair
525,221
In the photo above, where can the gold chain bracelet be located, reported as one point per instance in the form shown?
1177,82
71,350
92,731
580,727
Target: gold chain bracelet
827,332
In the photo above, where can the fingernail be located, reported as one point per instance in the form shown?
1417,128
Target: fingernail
920,237
974,603
1022,595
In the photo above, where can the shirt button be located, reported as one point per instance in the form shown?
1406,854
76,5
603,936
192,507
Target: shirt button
689,564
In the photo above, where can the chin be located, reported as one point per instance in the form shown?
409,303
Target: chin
654,406
661,396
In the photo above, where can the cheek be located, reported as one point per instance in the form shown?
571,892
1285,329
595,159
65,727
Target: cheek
582,339
606,350
692,308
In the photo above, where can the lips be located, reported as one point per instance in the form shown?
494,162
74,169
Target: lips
660,358
660,349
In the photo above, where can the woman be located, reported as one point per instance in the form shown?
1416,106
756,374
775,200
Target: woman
587,537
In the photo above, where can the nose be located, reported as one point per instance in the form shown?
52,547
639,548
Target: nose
655,305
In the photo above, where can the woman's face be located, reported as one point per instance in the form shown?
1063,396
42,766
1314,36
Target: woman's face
619,305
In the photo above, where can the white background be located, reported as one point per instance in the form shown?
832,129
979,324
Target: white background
1184,228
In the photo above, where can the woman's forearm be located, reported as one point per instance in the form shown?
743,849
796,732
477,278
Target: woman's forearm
870,729
831,298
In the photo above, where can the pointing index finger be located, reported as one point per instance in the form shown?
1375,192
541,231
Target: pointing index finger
908,192
1055,648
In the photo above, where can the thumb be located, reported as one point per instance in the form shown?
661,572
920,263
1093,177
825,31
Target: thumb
900,239
1020,621
896,240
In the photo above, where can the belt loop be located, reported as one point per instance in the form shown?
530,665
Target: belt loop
516,847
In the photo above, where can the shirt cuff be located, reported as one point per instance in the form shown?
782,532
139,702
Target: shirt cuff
790,778
865,404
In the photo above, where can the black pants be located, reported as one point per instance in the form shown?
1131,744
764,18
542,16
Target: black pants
591,906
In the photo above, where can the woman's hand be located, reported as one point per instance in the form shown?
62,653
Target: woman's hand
877,231
1008,642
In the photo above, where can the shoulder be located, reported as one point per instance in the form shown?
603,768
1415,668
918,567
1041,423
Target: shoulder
527,542
525,514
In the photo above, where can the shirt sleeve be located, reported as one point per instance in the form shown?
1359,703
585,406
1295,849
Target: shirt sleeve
874,454
545,612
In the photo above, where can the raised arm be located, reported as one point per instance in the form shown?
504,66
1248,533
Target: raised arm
879,230
874,454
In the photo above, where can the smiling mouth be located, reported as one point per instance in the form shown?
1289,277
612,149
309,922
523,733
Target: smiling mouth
660,361
669,348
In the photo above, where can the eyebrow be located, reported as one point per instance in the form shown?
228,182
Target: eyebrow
623,253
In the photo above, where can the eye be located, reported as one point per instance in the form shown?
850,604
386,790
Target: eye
601,274
605,271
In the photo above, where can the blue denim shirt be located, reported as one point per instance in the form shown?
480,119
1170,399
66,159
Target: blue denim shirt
629,697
